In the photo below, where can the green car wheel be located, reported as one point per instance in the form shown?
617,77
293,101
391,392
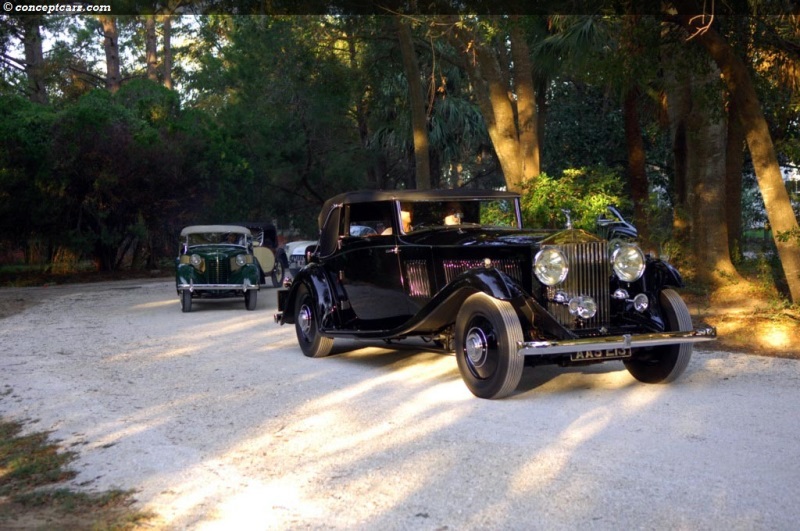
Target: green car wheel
186,301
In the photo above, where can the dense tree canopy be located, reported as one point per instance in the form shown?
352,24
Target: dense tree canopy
118,130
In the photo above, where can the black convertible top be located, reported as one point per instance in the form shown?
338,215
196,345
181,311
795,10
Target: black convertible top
370,196
268,229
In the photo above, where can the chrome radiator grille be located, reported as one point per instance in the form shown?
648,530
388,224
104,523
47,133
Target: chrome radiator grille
589,274
453,268
218,271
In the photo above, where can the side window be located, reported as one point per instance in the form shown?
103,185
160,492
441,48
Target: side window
368,219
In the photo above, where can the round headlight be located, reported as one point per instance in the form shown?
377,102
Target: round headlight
196,260
550,266
641,302
628,261
240,260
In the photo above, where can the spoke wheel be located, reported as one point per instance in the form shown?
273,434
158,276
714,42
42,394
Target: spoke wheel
486,335
665,364
311,342
279,272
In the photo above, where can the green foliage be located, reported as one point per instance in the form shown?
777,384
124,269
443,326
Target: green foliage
150,101
498,214
586,192
789,235
109,169
278,113
24,163
584,128
283,106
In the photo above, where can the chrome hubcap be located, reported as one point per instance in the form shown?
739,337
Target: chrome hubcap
304,320
475,345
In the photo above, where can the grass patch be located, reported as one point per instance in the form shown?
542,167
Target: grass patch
31,469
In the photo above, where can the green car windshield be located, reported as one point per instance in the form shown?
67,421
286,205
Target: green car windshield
216,238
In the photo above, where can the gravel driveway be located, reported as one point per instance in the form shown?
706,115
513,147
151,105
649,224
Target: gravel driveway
218,421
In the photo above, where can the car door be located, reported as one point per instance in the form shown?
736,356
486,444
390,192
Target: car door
368,267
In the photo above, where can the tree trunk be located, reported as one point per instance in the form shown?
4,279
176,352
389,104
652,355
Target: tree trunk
734,160
494,99
151,47
637,174
768,173
419,118
707,133
361,110
111,47
498,113
541,114
526,102
34,59
507,102
679,105
167,51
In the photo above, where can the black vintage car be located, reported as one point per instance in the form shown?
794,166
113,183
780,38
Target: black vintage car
457,268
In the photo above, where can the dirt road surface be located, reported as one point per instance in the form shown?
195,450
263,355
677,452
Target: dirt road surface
218,421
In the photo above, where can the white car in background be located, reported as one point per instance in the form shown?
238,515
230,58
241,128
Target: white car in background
296,253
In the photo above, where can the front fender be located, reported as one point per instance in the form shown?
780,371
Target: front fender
659,274
490,281
314,280
185,274
441,310
500,286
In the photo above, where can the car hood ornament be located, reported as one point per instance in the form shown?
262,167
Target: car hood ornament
567,213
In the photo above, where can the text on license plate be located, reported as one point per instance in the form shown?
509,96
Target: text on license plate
609,354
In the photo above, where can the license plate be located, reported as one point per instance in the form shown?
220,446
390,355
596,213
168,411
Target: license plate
610,354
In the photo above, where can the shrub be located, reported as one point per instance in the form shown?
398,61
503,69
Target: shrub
585,192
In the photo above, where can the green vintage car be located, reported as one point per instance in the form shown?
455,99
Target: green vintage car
216,261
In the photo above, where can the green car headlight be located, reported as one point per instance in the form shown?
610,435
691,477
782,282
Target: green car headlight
628,262
240,260
550,266
197,262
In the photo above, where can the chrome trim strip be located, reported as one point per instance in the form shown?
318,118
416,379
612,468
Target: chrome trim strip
545,348
196,287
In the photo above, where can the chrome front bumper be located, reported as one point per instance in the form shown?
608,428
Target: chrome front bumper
198,287
546,348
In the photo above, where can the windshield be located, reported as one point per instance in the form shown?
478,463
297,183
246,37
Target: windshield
216,238
500,213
